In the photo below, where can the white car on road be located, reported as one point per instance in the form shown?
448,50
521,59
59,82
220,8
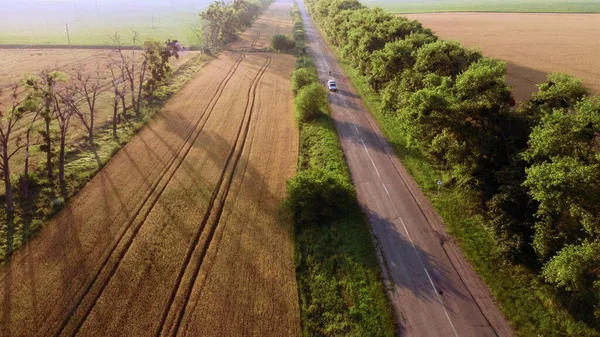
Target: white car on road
331,85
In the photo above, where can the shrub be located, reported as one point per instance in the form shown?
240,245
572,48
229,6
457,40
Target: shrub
282,42
299,34
311,102
57,205
316,196
301,78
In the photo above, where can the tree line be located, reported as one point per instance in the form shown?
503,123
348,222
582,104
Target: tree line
43,106
534,166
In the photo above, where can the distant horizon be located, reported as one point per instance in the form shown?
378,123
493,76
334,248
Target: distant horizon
92,22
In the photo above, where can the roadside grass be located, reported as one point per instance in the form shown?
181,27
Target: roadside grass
340,286
83,162
532,307
509,6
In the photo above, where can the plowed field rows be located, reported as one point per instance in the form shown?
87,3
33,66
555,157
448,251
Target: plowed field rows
180,234
534,44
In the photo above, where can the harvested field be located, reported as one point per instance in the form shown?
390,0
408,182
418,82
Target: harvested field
533,44
512,6
180,234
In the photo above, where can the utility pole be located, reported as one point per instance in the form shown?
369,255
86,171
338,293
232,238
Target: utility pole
68,36
153,21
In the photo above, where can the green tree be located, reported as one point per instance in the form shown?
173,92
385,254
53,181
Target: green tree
576,267
396,57
564,176
316,196
301,78
427,113
158,55
444,58
42,89
282,42
560,91
220,23
311,102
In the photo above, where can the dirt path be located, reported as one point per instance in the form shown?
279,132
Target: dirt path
433,289
534,44
180,233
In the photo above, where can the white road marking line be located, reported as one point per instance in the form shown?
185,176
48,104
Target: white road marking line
389,196
427,273
372,162
386,190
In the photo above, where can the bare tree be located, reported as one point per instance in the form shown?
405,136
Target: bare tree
135,80
8,121
42,89
119,86
31,104
63,112
86,88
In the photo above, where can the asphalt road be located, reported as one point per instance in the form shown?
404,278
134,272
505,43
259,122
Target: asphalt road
434,291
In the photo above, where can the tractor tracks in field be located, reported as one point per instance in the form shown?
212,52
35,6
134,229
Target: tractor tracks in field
184,286
96,285
255,40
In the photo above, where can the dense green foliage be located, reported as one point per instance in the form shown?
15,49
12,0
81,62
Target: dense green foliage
339,284
301,78
311,102
299,33
531,172
282,42
318,196
158,56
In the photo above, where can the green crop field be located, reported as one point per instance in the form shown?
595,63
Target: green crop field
526,6
92,22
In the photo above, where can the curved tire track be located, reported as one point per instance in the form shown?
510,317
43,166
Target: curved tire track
255,40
